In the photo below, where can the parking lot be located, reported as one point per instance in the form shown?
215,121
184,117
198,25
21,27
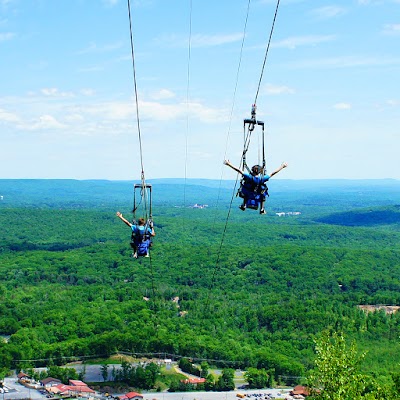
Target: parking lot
265,394
15,390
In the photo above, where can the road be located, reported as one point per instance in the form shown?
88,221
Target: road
93,372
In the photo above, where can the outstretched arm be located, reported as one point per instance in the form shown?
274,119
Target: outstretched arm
119,215
283,165
228,163
150,228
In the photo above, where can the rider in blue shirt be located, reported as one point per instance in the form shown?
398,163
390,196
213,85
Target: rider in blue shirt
254,182
141,236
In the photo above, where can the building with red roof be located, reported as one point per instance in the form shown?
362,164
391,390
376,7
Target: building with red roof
76,388
194,381
300,390
131,396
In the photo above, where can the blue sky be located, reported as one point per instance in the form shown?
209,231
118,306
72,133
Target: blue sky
330,92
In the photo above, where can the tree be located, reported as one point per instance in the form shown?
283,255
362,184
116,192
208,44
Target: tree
82,373
125,371
186,366
225,381
152,371
337,372
257,378
210,383
113,373
396,380
204,369
104,371
63,374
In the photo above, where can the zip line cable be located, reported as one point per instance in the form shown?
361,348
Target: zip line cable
266,51
142,177
135,89
217,262
246,138
184,211
189,51
217,267
187,99
237,76
233,101
144,190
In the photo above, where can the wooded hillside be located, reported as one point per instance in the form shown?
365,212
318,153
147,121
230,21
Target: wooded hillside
253,290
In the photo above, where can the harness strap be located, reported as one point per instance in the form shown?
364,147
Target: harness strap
138,232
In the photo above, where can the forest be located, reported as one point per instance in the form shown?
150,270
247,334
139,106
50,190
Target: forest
232,288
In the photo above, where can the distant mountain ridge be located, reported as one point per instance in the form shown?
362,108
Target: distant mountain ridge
366,217
175,191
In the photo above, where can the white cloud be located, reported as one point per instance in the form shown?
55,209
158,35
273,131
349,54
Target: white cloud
342,106
275,89
73,118
328,12
168,112
105,48
110,3
151,110
6,36
87,92
106,110
297,41
391,29
38,65
5,2
43,122
162,94
367,2
205,114
54,92
7,116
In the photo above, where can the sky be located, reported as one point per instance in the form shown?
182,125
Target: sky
329,91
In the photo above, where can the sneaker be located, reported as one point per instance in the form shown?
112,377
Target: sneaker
147,255
262,211
242,207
